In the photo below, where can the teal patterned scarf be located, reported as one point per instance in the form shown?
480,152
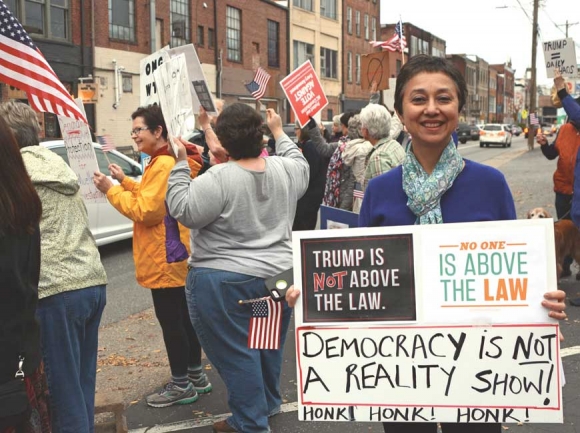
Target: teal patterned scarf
424,191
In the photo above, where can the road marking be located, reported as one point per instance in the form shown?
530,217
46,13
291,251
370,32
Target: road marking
288,407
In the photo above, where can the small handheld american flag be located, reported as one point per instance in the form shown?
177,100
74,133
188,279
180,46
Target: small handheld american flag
106,142
259,84
23,66
265,325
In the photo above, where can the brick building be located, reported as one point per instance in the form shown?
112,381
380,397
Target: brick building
360,26
506,74
468,68
231,38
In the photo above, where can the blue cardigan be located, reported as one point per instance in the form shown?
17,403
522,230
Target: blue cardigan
480,193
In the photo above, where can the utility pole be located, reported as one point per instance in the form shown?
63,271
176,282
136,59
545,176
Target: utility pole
531,132
568,25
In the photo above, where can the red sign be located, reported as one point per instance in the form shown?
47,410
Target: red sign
304,92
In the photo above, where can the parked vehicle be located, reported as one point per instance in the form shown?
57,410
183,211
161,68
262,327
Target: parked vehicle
467,132
106,224
536,128
516,130
495,133
290,130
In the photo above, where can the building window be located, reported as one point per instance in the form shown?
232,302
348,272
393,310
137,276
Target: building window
328,9
328,63
367,29
179,21
200,41
349,67
349,20
48,18
374,28
357,23
304,4
302,53
234,34
122,20
273,44
127,83
210,38
329,114
357,68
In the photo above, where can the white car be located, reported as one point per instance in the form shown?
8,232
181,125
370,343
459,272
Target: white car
495,133
105,222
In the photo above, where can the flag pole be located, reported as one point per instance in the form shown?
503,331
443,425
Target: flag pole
401,41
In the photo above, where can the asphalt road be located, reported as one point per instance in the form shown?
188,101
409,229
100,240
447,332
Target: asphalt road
529,175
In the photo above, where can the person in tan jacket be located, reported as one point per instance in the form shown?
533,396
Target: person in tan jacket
160,250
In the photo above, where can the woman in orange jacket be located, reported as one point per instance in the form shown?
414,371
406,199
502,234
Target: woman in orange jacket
159,251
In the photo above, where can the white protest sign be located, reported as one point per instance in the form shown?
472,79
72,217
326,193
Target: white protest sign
174,97
384,311
201,94
148,65
560,54
450,370
81,155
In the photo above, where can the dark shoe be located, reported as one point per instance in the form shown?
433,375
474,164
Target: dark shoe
566,272
223,427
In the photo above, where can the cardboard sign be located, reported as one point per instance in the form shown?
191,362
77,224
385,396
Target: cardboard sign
200,93
375,67
438,323
81,155
148,66
174,97
304,92
560,54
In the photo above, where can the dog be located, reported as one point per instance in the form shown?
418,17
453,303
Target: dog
567,239
538,212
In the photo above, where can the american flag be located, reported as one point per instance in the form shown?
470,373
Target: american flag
534,119
265,325
397,42
357,193
258,85
23,66
106,142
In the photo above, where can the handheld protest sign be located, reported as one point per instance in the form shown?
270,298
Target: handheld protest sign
81,155
148,66
375,67
174,97
561,55
304,92
200,92
432,323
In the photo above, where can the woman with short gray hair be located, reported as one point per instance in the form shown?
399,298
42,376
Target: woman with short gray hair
386,152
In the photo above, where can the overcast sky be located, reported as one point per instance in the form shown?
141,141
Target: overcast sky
496,35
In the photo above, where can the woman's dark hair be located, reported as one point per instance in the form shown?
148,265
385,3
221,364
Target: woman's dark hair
345,117
20,207
153,118
239,130
430,64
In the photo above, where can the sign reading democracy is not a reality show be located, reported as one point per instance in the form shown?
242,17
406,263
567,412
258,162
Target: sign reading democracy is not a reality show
427,323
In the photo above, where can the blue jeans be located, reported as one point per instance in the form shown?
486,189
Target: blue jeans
252,376
69,326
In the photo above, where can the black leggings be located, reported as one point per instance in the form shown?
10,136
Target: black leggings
181,343
429,427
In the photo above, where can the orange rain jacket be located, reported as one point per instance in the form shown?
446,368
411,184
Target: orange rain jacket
567,144
144,204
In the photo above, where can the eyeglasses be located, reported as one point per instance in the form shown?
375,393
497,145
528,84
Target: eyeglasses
136,131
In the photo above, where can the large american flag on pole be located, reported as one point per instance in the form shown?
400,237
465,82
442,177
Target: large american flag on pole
23,66
397,42
258,85
265,325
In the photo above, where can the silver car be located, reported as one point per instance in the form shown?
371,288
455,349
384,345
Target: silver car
105,222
